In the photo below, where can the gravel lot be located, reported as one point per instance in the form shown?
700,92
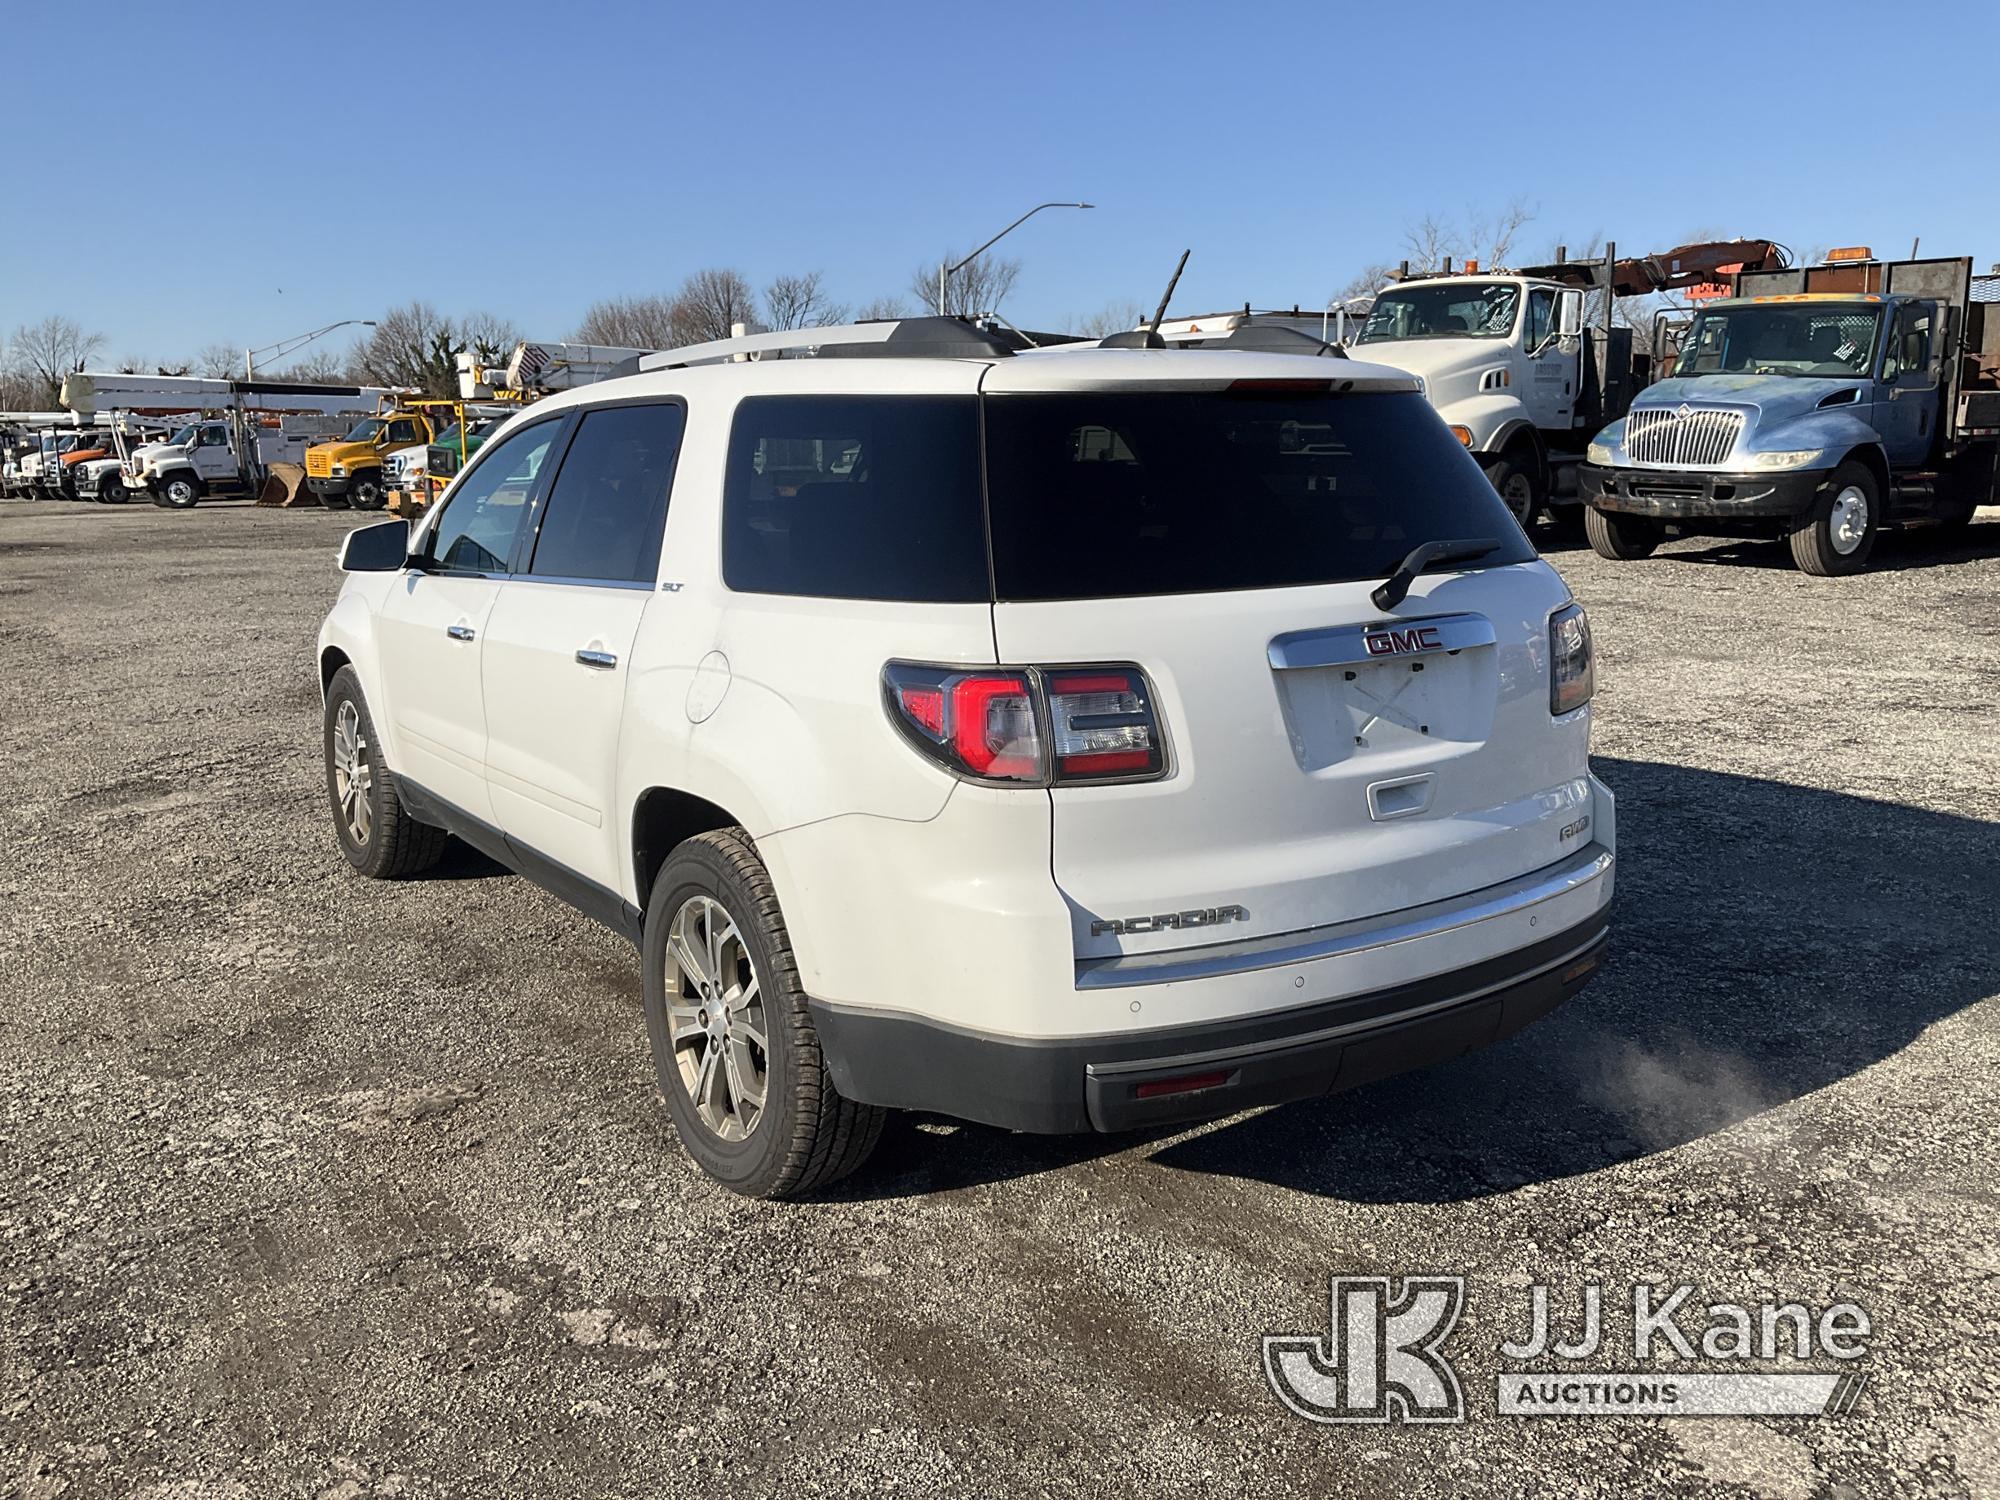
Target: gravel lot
315,1187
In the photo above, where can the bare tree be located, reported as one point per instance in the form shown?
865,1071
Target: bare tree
411,345
882,308
218,361
44,352
800,302
1487,237
709,305
629,323
487,335
979,286
317,367
1365,282
1113,317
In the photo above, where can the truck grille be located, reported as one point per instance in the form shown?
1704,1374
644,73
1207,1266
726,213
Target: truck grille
1690,437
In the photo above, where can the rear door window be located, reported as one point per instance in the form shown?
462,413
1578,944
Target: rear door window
608,507
856,497
1105,494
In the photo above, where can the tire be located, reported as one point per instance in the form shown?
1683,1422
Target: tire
375,831
1513,478
803,1135
111,491
1836,535
365,492
1621,538
179,491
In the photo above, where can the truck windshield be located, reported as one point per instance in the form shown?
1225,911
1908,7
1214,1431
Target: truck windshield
1825,339
363,431
183,437
1453,310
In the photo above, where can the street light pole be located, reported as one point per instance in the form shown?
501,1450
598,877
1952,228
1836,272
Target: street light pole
296,342
946,272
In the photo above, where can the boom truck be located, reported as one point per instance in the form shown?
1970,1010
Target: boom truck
1821,404
230,432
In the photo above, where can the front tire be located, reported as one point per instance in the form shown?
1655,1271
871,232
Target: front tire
111,491
1836,535
738,1060
366,492
1620,537
180,491
374,829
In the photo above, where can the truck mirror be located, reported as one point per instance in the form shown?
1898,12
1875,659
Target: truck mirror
381,548
1569,313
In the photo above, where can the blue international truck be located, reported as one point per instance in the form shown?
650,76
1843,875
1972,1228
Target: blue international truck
1821,404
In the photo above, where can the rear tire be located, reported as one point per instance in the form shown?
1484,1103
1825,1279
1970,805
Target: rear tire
1836,535
738,1061
1620,537
374,829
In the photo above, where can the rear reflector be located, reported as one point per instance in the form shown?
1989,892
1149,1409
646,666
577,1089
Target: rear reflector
1192,1083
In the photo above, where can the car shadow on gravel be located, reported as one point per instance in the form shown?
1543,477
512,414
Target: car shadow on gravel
1895,551
1769,940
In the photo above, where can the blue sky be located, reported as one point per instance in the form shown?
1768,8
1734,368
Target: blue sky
551,154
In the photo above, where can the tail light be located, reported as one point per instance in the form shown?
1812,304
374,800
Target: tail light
1572,669
1036,726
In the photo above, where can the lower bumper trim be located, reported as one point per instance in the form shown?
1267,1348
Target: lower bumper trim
1078,1084
1673,495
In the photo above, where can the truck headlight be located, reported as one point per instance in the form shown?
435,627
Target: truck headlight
1572,671
1599,454
339,471
1791,458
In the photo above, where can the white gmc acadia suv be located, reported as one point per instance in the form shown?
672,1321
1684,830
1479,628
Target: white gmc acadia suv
1067,741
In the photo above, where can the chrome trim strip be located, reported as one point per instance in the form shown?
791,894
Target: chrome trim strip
1394,639
1342,939
1328,1033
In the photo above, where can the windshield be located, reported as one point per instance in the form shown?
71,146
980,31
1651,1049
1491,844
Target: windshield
449,437
184,436
365,430
1450,310
1824,339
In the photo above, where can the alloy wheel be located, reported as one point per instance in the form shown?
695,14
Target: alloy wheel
716,1019
353,777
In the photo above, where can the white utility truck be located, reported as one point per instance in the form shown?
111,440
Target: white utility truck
1505,357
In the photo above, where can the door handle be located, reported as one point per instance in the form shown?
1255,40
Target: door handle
459,632
602,660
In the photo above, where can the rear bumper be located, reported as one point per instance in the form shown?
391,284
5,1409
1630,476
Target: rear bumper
1674,495
1075,1084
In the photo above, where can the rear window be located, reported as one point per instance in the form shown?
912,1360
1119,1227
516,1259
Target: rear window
1092,495
856,497
1110,494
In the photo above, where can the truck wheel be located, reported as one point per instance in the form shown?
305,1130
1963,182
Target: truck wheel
181,491
738,1060
111,491
1836,535
366,492
1513,478
375,830
1620,537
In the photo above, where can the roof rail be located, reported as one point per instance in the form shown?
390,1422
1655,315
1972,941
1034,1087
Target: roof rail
892,338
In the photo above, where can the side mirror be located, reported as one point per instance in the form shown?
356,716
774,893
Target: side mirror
1569,313
381,548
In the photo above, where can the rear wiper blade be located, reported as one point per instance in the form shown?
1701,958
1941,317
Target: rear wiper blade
1396,587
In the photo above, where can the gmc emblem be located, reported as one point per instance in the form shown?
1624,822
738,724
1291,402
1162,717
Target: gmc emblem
1207,916
1403,642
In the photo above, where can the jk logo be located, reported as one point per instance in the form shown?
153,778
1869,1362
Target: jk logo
1380,1361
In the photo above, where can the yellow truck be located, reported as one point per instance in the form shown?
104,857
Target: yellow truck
351,469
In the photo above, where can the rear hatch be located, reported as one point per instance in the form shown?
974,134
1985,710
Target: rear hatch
1329,760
